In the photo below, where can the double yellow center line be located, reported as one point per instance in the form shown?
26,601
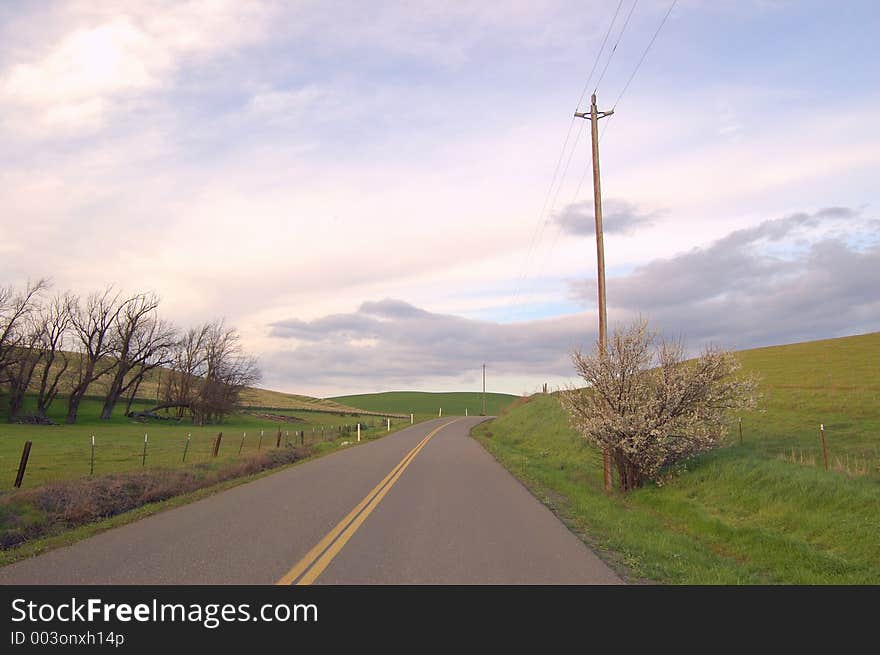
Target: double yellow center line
319,557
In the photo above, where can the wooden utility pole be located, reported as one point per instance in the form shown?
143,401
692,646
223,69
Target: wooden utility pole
594,117
484,390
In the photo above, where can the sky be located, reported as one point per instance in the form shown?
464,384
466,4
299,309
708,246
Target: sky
385,195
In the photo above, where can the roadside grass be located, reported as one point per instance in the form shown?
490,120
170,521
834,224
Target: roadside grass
427,403
64,451
742,514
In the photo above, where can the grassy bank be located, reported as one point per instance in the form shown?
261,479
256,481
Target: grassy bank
745,514
428,404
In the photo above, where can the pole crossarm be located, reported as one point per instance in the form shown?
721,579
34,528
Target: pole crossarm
599,114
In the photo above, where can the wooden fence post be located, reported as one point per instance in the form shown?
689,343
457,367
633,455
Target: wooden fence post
92,458
824,450
144,459
217,444
22,465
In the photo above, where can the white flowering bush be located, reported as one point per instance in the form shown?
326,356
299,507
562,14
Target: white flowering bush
649,406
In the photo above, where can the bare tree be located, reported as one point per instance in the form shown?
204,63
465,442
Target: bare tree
20,370
650,406
55,319
208,374
181,385
15,310
93,328
140,344
228,372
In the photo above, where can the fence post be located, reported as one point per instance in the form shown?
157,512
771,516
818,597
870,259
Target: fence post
824,450
278,440
241,445
302,437
260,442
186,446
217,444
92,458
740,430
286,438
144,458
22,465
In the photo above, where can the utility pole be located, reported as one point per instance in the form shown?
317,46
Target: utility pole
594,117
484,390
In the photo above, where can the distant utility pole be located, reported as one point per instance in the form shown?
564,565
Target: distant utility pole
594,117
484,390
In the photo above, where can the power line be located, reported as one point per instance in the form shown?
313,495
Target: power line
522,271
620,34
645,53
539,227
616,43
599,54
640,62
619,97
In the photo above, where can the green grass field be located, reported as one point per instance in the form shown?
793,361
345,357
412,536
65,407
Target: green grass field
63,451
744,514
428,404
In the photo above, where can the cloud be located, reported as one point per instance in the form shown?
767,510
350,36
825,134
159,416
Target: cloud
797,277
390,343
733,292
618,217
102,60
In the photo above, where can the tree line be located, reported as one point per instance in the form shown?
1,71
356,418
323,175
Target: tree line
58,343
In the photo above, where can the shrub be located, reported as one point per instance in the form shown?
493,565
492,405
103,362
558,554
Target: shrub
649,406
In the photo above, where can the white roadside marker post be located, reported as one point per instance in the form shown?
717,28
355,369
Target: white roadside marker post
359,431
441,412
411,419
465,411
389,425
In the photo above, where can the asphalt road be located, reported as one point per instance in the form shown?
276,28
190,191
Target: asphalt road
426,505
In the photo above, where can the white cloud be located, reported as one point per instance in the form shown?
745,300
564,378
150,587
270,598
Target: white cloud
104,58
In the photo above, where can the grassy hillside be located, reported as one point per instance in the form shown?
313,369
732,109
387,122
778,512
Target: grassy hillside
420,402
279,400
764,511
